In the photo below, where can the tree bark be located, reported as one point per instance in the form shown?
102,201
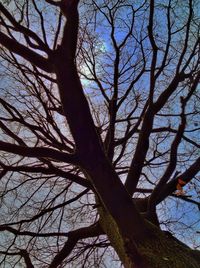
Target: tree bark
156,250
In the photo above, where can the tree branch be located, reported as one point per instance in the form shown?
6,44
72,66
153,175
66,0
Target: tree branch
186,176
27,32
73,237
49,171
23,253
140,152
38,152
172,162
50,209
14,231
26,53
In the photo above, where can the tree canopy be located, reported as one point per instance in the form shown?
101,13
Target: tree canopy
99,127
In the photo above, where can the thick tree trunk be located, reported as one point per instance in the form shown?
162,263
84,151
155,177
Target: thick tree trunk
137,242
156,249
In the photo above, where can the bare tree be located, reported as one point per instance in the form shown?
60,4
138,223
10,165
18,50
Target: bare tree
99,133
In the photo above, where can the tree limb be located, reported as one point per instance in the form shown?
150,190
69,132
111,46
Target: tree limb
73,237
186,176
49,171
27,32
38,152
172,162
28,54
23,253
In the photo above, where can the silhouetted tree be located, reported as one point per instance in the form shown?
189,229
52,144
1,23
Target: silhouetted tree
99,133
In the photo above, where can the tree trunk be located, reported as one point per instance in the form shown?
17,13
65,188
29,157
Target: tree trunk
157,249
137,242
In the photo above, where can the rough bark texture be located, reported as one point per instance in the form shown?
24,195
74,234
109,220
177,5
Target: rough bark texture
155,250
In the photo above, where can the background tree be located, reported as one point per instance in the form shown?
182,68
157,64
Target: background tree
99,133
